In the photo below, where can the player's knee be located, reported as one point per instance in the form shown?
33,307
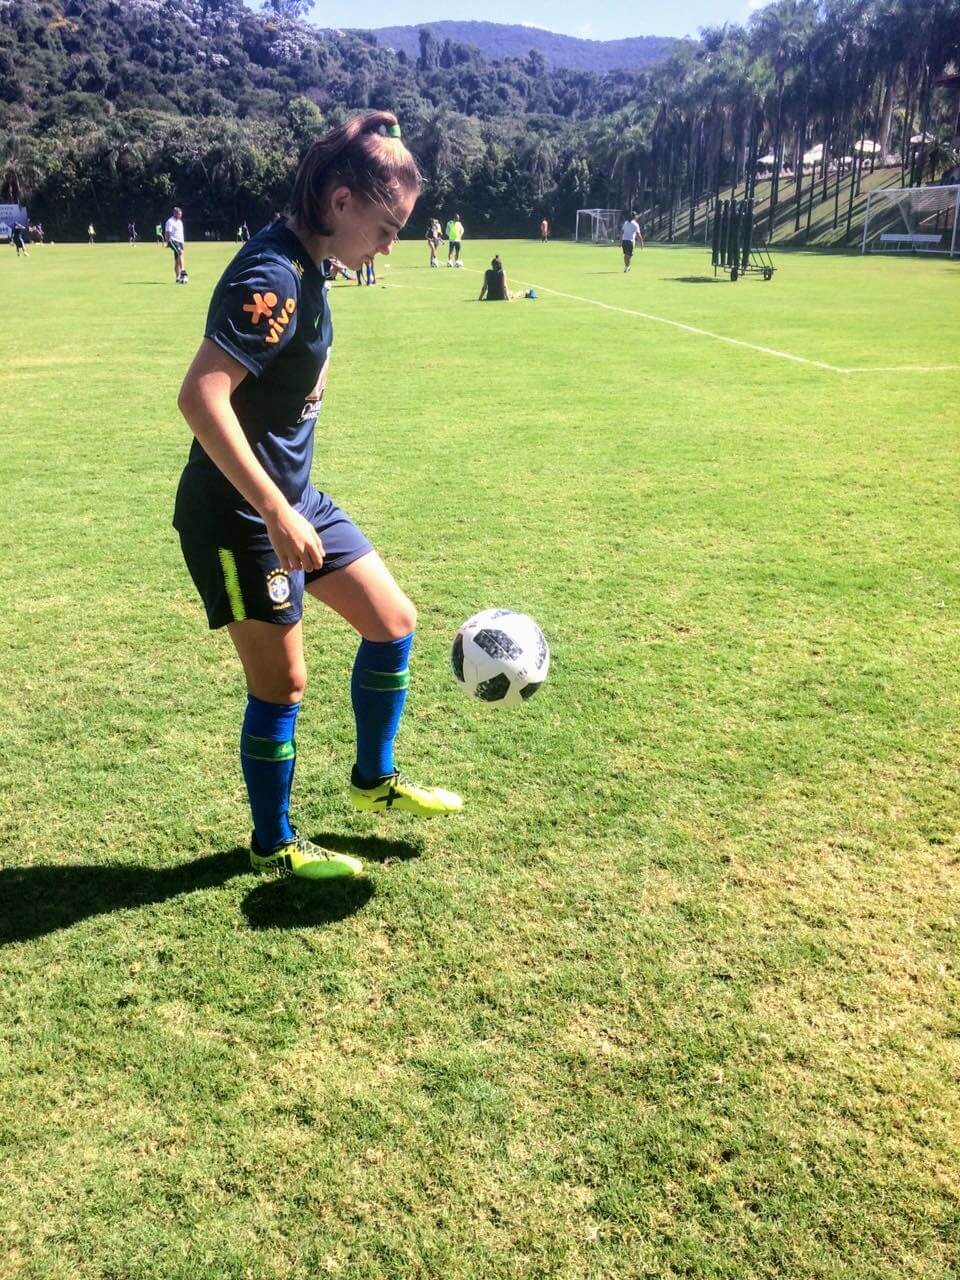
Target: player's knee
283,687
296,683
401,619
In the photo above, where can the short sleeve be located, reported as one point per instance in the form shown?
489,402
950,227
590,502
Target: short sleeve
255,314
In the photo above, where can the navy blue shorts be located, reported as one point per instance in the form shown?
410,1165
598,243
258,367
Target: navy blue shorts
237,572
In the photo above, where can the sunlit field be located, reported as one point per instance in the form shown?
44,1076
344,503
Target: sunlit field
676,995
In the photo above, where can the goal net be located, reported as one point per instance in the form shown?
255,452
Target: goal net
912,220
599,226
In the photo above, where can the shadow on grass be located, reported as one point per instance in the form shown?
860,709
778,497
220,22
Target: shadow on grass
694,279
42,899
35,901
303,904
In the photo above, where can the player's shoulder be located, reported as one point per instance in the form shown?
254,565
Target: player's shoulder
265,261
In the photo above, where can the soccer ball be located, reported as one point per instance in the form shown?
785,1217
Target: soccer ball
500,656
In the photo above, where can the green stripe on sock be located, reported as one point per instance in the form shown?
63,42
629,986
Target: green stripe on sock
265,749
231,580
384,681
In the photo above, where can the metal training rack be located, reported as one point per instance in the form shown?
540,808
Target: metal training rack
733,247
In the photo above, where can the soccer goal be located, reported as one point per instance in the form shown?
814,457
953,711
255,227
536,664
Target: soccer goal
912,220
599,226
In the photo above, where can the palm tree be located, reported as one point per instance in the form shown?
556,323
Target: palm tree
20,169
539,159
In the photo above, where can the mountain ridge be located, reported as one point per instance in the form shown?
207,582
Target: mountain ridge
504,40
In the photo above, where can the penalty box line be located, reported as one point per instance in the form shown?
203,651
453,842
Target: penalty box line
738,342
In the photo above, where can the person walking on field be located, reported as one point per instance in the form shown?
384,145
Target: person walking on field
173,238
544,231
630,234
256,535
91,233
19,240
455,236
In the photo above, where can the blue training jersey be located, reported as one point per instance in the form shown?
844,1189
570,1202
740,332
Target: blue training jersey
269,312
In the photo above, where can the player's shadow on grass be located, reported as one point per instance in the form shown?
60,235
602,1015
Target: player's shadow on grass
35,901
303,904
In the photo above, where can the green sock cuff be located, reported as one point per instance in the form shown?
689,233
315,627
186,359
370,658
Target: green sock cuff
384,681
266,749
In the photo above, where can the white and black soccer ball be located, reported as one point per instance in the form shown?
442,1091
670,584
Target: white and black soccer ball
500,656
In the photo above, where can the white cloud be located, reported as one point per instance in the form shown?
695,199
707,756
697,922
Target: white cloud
533,26
754,5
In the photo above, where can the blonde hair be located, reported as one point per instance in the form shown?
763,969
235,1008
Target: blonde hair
366,155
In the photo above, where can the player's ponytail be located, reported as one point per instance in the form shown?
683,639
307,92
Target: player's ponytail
366,154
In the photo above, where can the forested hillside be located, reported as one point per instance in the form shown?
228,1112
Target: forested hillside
110,111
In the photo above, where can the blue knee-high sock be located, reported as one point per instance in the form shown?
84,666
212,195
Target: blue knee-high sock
268,754
378,690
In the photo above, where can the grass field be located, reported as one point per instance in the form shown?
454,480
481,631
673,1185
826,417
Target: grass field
677,995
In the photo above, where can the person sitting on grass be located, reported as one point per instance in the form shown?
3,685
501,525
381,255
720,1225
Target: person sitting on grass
494,287
334,268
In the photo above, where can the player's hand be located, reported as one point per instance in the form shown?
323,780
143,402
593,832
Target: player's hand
295,541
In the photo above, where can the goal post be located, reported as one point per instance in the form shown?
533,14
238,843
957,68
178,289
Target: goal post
912,220
598,226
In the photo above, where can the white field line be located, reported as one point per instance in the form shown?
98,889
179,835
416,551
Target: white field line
739,342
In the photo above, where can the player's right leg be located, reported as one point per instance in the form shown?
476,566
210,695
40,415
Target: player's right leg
245,590
272,660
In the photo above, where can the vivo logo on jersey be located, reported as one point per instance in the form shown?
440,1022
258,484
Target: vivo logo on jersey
261,306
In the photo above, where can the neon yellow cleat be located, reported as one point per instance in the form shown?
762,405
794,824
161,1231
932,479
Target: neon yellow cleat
400,794
303,858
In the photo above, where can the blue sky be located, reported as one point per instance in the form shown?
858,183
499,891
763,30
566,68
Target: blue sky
609,21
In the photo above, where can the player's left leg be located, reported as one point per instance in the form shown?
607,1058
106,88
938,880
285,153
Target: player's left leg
365,594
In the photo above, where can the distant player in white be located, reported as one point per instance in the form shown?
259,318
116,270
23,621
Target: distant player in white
628,237
173,238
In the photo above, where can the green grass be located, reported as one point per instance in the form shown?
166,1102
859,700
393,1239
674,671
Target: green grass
677,995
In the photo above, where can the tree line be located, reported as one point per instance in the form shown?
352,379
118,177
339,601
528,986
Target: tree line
112,111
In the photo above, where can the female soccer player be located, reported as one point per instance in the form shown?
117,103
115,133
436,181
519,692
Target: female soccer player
434,236
494,287
255,532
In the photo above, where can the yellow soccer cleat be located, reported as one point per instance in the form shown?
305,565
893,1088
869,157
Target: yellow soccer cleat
304,859
401,795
